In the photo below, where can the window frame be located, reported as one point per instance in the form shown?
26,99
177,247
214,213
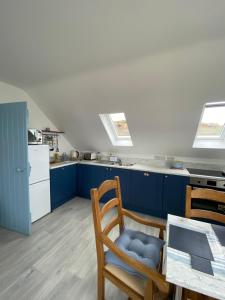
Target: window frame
210,142
115,139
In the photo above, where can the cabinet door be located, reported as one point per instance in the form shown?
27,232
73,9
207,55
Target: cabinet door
92,176
100,174
146,189
63,185
56,187
84,180
124,176
174,188
70,181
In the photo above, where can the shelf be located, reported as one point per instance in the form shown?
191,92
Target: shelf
52,132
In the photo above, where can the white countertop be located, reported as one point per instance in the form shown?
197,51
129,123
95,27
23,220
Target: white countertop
62,164
137,167
178,263
140,167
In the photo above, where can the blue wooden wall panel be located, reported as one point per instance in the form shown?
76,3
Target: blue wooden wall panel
14,183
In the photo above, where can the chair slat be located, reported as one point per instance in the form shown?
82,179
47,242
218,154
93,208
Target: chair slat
115,221
204,194
208,215
106,186
208,194
110,204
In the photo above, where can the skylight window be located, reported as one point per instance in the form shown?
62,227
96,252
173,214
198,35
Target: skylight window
211,128
117,129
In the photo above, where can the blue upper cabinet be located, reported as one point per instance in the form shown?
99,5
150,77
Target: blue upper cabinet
174,190
146,192
63,184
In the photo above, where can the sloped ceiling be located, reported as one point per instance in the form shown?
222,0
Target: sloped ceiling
158,61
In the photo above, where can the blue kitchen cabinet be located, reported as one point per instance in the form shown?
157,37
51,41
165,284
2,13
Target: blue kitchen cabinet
84,180
70,181
63,185
124,176
90,176
174,190
146,192
107,173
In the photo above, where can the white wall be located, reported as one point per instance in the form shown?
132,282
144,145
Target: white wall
37,119
162,96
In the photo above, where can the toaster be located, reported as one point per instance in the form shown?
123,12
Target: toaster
90,155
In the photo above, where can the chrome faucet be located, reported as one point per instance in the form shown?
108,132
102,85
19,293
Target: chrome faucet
119,161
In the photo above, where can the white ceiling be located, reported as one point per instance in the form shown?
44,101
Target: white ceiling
158,61
48,39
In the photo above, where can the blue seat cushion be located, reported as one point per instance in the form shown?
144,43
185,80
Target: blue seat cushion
138,245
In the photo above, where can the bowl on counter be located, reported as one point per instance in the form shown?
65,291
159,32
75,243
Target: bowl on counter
179,165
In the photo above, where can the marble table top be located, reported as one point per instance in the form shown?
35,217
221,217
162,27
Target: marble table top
178,264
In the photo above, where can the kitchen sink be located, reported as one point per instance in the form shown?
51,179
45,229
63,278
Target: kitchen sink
111,163
126,165
105,162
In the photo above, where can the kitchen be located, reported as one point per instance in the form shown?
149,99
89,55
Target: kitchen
85,99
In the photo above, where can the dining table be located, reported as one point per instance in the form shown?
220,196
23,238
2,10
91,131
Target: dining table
178,265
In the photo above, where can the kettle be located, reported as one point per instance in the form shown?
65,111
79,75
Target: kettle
74,154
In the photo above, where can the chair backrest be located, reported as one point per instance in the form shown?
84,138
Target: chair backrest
201,195
99,213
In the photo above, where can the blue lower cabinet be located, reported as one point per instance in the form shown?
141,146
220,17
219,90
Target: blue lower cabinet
146,191
107,173
92,176
63,185
174,191
85,180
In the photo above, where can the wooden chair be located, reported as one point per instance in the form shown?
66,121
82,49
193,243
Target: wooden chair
133,286
204,194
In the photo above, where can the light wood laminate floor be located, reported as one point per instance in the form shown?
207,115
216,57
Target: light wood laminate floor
58,261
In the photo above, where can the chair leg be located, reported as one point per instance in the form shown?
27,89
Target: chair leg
101,285
149,291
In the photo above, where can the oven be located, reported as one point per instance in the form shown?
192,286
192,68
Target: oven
216,183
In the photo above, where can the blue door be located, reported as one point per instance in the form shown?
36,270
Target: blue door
14,184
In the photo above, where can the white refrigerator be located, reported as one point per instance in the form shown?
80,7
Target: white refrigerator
39,181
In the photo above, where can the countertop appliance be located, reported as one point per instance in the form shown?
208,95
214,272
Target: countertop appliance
90,155
207,178
34,136
39,181
74,154
210,179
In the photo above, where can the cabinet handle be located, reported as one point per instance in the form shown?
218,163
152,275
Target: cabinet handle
146,174
166,176
107,168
